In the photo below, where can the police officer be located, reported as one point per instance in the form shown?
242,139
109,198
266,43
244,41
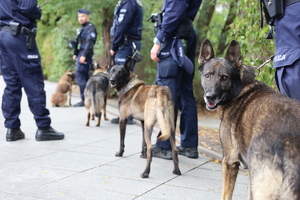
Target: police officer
178,79
287,58
126,34
21,67
84,50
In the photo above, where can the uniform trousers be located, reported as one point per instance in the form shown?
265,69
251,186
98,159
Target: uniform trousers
125,51
180,83
21,68
82,74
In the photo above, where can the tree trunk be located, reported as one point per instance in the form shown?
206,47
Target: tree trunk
204,17
230,18
106,24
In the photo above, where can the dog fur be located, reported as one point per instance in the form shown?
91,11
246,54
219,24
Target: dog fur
59,97
259,127
95,94
149,104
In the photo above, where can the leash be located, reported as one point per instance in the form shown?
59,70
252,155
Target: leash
266,62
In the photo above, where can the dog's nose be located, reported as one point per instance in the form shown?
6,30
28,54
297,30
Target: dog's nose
112,81
210,97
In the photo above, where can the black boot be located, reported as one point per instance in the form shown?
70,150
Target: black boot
116,120
43,134
79,104
14,134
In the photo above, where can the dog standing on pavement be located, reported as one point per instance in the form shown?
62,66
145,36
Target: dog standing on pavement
95,94
259,127
149,104
59,97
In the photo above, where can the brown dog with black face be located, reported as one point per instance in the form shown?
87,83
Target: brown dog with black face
147,103
59,98
259,127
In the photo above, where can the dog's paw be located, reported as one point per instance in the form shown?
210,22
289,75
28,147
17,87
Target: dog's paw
145,175
119,154
143,155
176,172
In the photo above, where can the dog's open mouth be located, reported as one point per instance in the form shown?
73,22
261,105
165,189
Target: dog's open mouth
211,106
113,85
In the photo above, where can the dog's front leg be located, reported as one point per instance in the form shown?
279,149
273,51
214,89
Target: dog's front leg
122,127
144,147
70,94
229,171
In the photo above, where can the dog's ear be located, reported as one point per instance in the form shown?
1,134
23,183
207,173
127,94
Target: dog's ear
128,63
233,54
206,52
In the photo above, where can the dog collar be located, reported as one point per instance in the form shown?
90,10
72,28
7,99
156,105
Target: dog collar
129,85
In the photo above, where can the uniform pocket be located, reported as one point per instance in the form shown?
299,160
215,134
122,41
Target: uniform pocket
167,68
31,64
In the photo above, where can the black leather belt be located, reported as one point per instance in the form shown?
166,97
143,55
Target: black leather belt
5,28
132,39
290,2
23,29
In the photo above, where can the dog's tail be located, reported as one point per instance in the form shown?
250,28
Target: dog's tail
165,114
96,98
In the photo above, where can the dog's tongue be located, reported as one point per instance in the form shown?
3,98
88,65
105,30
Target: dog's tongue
211,105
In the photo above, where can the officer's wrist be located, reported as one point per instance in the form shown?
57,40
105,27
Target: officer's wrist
156,41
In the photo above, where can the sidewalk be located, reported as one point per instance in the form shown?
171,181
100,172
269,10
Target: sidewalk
83,165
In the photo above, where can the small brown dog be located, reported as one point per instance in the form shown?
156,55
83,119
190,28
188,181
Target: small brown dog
59,98
95,93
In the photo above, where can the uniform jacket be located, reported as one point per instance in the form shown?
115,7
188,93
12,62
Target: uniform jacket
86,39
174,11
128,20
24,12
287,36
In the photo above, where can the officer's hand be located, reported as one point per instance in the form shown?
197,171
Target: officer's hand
154,52
74,57
112,52
82,60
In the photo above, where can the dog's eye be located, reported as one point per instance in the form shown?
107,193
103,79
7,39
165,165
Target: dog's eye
206,76
224,78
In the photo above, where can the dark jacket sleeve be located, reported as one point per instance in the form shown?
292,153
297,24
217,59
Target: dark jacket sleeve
29,8
90,40
174,12
126,17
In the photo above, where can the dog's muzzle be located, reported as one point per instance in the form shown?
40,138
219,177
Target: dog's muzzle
112,83
211,101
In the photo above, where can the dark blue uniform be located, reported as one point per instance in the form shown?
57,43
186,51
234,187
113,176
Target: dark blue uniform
287,59
175,77
127,28
20,66
86,40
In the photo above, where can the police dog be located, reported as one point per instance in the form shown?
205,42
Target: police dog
59,97
148,104
259,127
95,94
